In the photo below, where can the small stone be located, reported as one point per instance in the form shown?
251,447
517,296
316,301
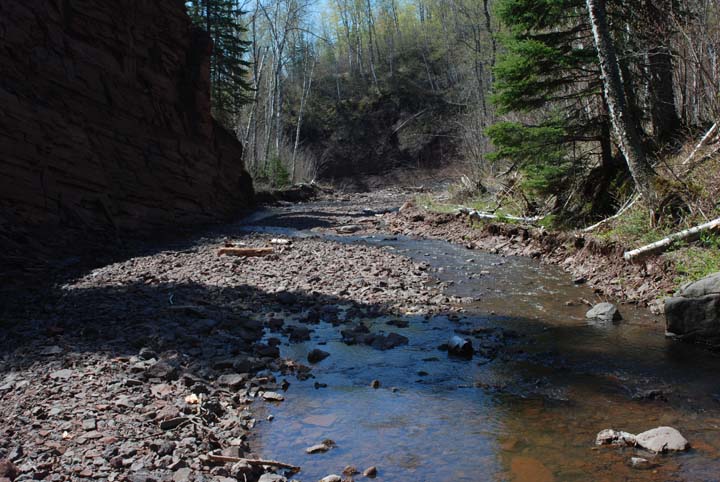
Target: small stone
62,374
370,472
639,463
375,384
272,478
233,380
350,470
272,397
182,475
51,350
317,449
614,437
331,478
317,355
604,312
89,424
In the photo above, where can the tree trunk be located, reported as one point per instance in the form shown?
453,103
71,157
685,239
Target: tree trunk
626,129
664,113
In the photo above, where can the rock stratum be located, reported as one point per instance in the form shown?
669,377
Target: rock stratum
105,128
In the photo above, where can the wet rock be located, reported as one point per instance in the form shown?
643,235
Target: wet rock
375,384
272,478
322,447
650,394
389,341
615,437
350,470
400,323
146,353
693,314
298,333
370,472
51,350
331,478
640,463
460,347
272,397
317,355
662,439
604,312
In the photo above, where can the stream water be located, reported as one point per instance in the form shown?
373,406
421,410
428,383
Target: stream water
527,407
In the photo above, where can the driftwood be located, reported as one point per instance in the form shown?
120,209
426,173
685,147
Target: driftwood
257,462
663,244
473,214
245,251
620,212
701,143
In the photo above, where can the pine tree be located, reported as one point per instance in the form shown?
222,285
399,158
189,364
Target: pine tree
228,64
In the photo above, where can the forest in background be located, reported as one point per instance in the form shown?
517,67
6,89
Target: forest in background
511,92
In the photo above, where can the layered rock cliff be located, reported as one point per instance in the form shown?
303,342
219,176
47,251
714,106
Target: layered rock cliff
105,126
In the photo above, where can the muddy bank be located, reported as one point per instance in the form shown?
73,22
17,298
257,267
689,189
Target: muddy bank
597,263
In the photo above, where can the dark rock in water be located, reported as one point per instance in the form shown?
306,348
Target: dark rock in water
652,394
604,312
399,323
287,298
298,333
390,341
317,355
693,314
263,350
460,347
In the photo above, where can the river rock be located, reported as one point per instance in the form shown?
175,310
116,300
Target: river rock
693,314
331,478
370,472
461,347
604,312
317,355
272,478
662,439
639,463
614,437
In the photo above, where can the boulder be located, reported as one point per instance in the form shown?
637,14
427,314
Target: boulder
662,439
272,478
693,314
460,347
604,312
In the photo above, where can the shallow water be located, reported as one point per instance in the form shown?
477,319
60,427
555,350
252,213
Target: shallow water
527,411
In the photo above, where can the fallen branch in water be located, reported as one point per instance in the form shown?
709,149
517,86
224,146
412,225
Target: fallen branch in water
245,251
620,212
663,244
257,462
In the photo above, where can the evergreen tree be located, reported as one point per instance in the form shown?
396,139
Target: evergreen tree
228,64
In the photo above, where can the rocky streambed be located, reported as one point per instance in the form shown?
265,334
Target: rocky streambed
180,364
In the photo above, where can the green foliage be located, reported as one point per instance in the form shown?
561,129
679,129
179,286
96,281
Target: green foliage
697,262
276,174
228,67
539,152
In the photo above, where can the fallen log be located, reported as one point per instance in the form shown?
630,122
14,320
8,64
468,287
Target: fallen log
248,252
701,143
473,214
663,244
256,462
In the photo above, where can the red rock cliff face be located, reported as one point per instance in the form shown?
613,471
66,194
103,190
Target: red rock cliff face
105,124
